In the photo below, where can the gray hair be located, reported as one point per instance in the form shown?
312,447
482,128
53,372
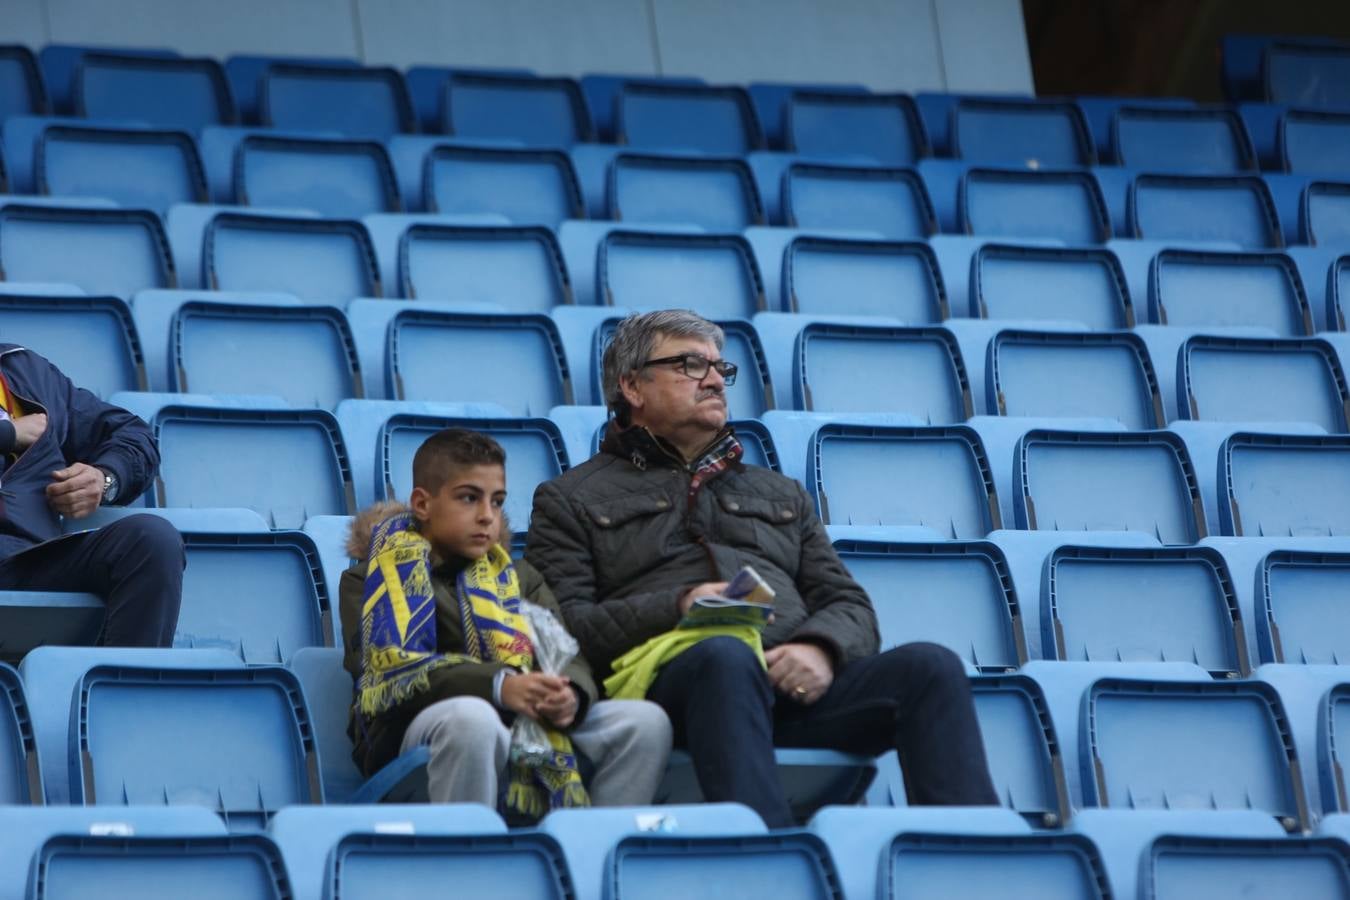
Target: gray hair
633,343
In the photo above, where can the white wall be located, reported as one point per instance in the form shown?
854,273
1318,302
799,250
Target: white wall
909,45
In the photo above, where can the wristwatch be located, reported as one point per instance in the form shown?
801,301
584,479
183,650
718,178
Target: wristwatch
109,487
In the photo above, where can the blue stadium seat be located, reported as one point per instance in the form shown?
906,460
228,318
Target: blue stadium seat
1080,284
891,202
285,464
1301,613
602,93
1152,744
1104,604
1211,141
1201,868
519,268
716,194
150,169
358,102
1099,112
714,275
427,86
20,775
664,116
340,179
1232,379
853,369
187,224
771,99
1324,216
161,92
884,128
1066,206
115,251
1204,208
1025,761
1199,288
1314,143
1308,75
651,865
92,339
61,62
835,276
1273,485
1021,133
330,260
172,866
1074,375
245,73
1107,481
1013,866
532,862
958,594
531,187
538,112
219,347
892,475
22,91
261,596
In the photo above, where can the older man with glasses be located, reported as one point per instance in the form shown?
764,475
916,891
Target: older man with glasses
665,513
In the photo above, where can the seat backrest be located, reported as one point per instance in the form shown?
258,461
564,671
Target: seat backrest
645,866
101,251
1019,867
519,268
1107,604
1023,747
20,776
1301,613
1081,284
1315,76
1231,379
1315,143
22,92
149,169
833,276
359,102
1193,141
424,864
715,194
1021,133
891,202
165,92
339,179
330,260
1333,726
1279,485
1178,866
529,187
714,275
93,340
883,127
714,120
1199,288
538,112
1237,209
1066,206
1073,375
1325,213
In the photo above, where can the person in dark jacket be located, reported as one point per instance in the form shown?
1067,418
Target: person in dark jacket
666,512
64,452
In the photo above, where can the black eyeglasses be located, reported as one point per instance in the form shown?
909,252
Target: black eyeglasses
696,367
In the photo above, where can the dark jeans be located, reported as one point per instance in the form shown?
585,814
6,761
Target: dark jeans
135,564
913,699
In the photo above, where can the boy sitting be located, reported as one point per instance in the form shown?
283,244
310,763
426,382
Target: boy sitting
443,656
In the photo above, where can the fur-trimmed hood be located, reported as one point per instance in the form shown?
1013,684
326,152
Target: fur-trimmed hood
358,536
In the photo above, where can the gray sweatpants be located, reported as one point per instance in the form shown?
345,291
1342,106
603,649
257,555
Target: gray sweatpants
628,741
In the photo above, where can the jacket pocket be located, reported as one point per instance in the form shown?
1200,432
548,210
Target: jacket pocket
617,512
763,527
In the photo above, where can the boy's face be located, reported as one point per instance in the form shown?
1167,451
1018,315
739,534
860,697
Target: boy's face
463,517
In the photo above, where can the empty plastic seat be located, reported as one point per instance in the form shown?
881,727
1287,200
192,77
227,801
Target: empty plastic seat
1196,288
164,92
151,169
1026,766
359,102
891,202
884,127
1107,604
1078,284
330,260
1308,75
714,275
1301,613
1193,141
831,276
1023,133
225,348
1073,375
656,865
1231,379
959,595
854,368
526,186
113,251
92,339
516,268
22,92
1315,143
341,179
1107,481
1012,866
1189,745
1237,209
20,781
1205,868
1276,485
1066,206
538,112
666,116
715,194
935,477
1325,214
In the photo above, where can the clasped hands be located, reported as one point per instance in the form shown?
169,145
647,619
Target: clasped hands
550,698
75,491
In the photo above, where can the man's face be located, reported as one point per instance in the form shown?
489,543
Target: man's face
463,518
669,402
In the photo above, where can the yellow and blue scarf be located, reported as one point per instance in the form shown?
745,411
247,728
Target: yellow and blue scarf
398,645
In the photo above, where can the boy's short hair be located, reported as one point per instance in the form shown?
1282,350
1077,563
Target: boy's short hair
440,455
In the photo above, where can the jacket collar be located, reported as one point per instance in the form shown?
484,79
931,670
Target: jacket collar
643,449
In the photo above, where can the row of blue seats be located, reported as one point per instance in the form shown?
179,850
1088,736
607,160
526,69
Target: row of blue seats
337,852
1302,69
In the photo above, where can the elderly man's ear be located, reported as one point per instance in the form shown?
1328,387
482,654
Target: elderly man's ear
628,385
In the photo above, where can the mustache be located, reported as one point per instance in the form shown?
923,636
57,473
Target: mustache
705,393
